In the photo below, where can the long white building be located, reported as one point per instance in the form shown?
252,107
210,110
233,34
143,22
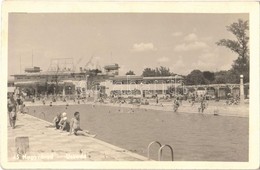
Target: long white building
138,86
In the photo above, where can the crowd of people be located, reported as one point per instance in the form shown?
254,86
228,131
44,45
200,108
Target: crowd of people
176,100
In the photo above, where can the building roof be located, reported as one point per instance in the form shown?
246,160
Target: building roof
163,78
48,73
127,77
134,77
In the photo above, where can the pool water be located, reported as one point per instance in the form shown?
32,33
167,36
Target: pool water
194,137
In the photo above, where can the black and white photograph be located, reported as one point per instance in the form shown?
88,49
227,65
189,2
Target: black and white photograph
131,86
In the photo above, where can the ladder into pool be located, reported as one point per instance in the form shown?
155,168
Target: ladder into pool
160,150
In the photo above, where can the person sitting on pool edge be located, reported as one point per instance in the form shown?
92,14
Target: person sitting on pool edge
56,121
75,127
64,124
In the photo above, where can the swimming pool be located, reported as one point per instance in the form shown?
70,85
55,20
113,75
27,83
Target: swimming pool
194,137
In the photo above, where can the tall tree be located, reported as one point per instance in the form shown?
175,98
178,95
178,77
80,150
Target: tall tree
164,71
209,76
239,46
195,78
148,72
221,77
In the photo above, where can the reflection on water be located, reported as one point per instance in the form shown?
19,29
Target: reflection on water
193,137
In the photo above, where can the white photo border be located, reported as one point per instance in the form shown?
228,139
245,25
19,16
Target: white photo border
26,6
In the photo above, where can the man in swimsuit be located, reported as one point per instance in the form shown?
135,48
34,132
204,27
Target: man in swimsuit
19,103
176,104
75,126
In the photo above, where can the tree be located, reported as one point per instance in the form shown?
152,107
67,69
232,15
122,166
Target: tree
161,71
195,78
148,72
223,77
209,76
239,46
130,72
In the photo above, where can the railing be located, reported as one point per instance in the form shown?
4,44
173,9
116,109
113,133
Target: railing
160,150
148,148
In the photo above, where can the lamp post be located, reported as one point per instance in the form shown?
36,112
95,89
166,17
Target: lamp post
141,89
171,81
175,84
86,85
155,87
70,92
241,89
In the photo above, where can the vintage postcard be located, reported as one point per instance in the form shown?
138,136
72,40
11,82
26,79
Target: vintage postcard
129,85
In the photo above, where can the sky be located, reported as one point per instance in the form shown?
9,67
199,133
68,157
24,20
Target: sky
181,42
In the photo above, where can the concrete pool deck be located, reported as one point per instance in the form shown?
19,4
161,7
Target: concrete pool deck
48,144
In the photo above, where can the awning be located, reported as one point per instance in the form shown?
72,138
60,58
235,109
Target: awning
59,83
28,83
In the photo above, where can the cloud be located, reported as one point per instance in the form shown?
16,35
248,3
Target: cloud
209,61
123,69
191,42
191,37
213,57
144,47
196,45
163,60
177,34
225,67
97,58
179,66
204,65
208,38
208,56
